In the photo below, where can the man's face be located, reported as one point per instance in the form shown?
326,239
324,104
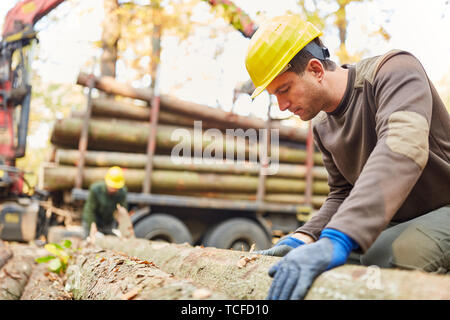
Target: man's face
303,95
111,190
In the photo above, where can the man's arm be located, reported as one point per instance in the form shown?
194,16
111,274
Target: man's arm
339,190
404,105
89,209
123,200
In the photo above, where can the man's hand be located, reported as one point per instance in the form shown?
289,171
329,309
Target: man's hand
294,274
282,247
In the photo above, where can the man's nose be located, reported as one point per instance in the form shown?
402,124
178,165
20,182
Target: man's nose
283,104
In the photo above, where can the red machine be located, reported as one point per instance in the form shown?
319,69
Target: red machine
18,211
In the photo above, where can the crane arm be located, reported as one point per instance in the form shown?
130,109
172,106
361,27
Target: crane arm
19,21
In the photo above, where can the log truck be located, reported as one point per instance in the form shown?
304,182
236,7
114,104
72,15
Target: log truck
21,217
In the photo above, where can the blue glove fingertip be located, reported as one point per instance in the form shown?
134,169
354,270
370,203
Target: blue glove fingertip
273,270
290,241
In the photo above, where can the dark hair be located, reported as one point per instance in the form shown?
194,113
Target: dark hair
300,60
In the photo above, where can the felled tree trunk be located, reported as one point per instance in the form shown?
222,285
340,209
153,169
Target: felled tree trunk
14,276
197,111
63,178
5,255
45,285
104,275
117,135
138,160
243,275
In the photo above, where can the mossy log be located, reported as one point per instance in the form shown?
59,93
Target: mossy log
191,109
138,160
63,178
120,135
95,274
243,275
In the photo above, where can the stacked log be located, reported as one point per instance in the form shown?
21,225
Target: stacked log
119,131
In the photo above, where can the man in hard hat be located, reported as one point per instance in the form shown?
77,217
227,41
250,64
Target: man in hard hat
102,201
384,134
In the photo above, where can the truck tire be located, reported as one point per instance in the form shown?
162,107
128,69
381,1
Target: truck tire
237,234
163,227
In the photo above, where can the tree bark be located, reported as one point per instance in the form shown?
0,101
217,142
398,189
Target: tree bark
103,275
116,135
63,178
110,38
197,111
138,161
243,275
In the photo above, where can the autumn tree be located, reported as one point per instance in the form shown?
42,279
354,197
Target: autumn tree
110,37
338,16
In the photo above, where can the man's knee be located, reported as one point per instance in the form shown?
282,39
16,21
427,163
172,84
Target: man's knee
418,247
422,243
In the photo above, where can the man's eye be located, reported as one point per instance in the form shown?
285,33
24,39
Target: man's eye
283,91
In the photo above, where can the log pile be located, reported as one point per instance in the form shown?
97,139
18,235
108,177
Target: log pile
119,131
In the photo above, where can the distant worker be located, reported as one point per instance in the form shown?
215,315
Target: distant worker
102,201
384,134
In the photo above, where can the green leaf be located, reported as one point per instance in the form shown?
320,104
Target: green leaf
55,265
67,244
59,247
52,248
44,259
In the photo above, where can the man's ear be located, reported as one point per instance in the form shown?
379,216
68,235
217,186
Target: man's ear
316,68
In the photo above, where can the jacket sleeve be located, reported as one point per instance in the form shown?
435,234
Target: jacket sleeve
123,199
403,102
339,190
89,208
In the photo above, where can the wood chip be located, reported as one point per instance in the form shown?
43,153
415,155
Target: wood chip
201,293
130,294
245,260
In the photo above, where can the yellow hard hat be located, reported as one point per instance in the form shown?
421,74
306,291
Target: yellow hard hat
273,45
114,178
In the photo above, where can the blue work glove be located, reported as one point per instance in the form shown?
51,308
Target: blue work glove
295,272
282,247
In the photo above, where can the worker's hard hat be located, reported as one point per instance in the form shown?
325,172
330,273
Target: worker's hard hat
273,45
114,178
